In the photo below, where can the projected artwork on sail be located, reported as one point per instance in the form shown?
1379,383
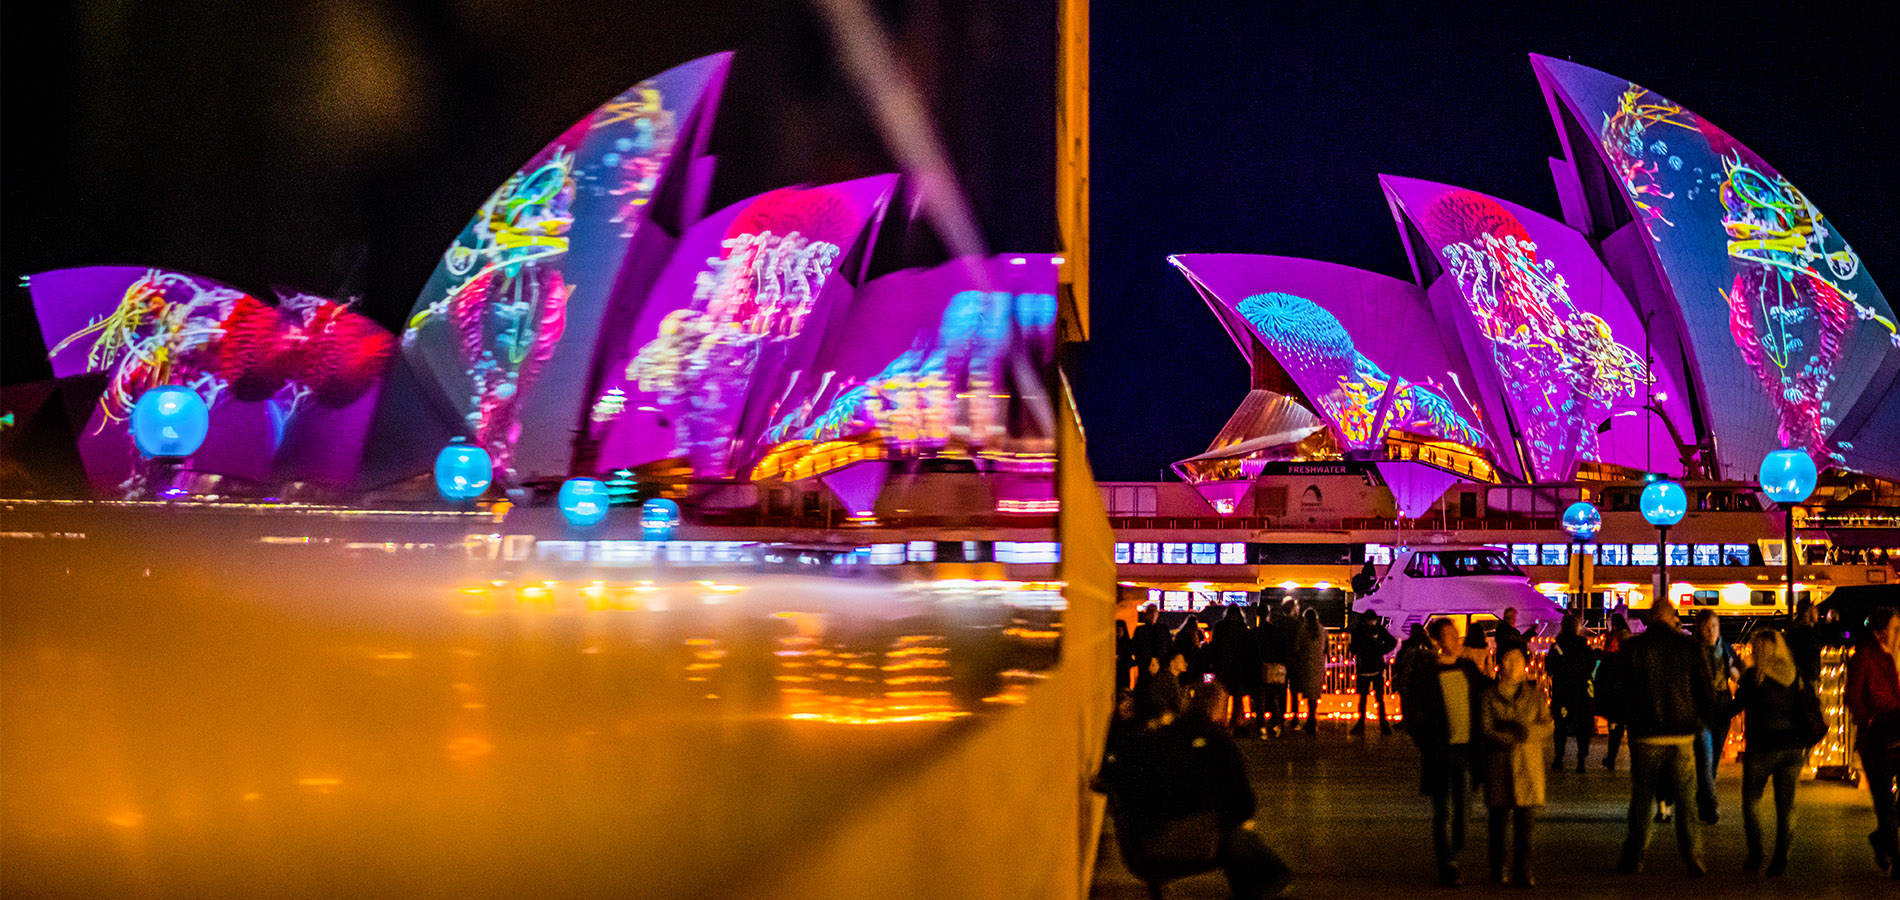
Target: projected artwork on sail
290,385
540,258
1786,326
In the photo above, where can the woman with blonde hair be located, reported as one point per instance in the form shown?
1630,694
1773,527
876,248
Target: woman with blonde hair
1776,700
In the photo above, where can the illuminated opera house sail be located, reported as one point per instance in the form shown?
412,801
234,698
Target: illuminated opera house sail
1692,311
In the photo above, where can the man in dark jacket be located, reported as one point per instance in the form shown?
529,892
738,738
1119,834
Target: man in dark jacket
1804,642
1181,779
1370,643
1151,642
1572,666
1236,662
1873,700
1666,699
1274,639
1441,715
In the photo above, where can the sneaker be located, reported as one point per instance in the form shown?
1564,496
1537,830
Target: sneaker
1357,730
1777,866
1752,862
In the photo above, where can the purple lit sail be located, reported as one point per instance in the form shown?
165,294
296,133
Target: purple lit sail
505,330
290,385
1562,342
1362,346
1785,329
747,291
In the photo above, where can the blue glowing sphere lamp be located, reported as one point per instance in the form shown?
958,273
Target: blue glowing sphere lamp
170,422
1788,476
1664,503
583,501
1582,520
658,518
463,471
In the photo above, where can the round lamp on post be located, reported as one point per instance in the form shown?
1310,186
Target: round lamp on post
1582,521
463,471
1788,477
168,423
658,518
1663,503
583,502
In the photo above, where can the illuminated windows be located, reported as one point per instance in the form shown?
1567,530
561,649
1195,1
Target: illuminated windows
1145,553
1203,554
1233,554
1174,554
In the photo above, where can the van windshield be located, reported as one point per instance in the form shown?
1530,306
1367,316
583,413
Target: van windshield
1452,563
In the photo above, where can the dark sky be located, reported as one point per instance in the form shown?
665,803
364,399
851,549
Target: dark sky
338,145
1260,128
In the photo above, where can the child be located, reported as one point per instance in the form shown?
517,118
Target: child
1517,728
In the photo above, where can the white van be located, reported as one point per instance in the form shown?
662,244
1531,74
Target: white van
1465,584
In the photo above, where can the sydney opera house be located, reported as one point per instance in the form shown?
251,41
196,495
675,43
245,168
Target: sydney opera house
380,670
1690,312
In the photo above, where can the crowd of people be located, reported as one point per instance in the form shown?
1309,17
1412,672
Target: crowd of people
1481,722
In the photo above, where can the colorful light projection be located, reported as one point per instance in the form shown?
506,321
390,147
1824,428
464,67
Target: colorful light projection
927,359
744,296
540,261
290,386
1785,326
1362,347
1561,336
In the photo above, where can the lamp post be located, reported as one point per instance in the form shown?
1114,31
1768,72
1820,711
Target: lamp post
463,471
1582,520
1787,477
1664,503
168,424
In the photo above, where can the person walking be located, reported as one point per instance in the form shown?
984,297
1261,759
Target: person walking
1124,656
1804,642
1873,701
1723,669
1370,644
1772,696
1572,666
1609,690
1414,651
1151,643
1188,645
1236,663
1309,665
1441,715
1274,637
1517,727
1666,697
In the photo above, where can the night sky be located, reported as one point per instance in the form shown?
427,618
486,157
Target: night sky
337,146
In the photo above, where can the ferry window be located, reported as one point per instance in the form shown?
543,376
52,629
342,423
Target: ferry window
1379,554
1478,562
1145,554
1203,554
1556,555
1762,598
1174,554
1121,552
1233,554
1174,601
1613,554
1708,554
1642,554
1154,595
1736,554
921,551
1524,554
1707,598
1234,598
1679,554
1425,565
1202,600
